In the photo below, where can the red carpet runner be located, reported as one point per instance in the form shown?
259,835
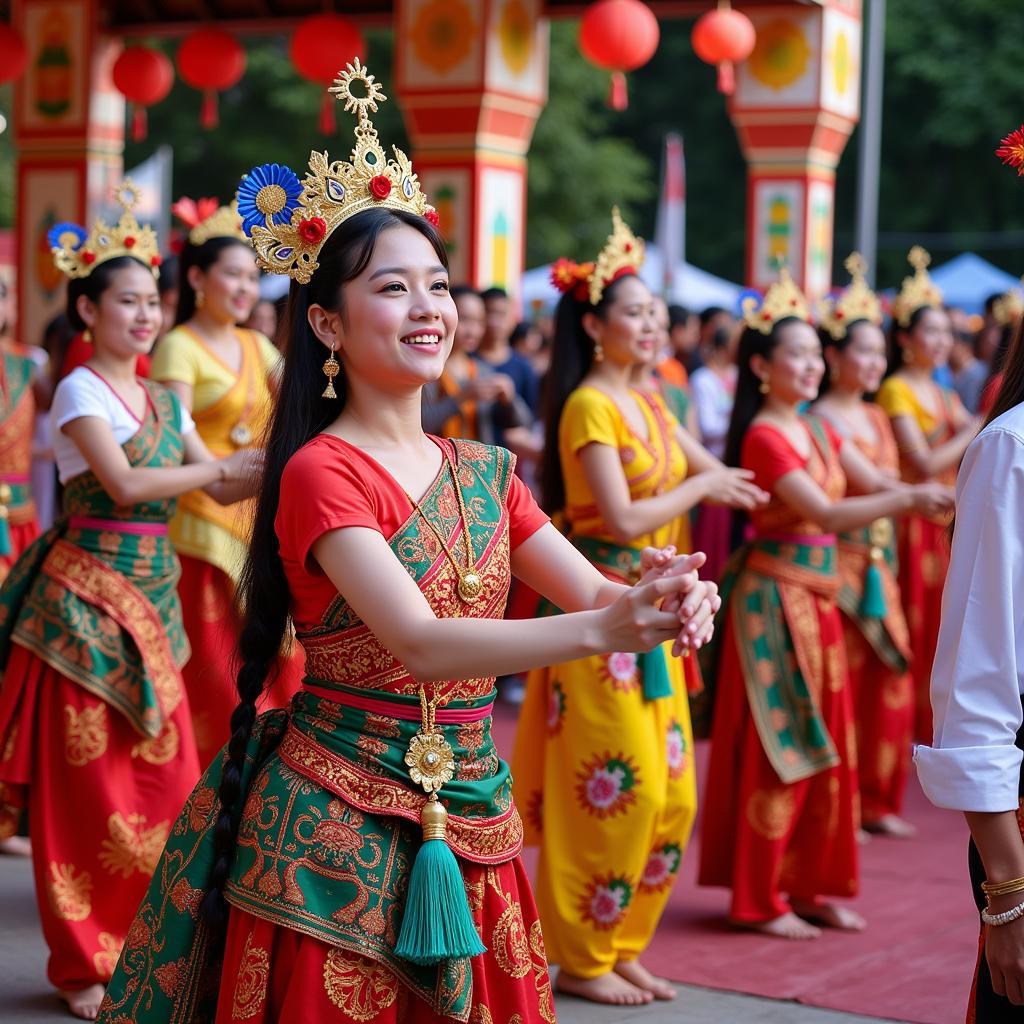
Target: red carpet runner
914,963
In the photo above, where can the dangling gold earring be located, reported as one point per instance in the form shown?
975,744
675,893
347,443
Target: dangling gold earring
764,387
331,370
87,336
598,352
200,298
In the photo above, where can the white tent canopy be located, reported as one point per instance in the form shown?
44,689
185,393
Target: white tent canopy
691,287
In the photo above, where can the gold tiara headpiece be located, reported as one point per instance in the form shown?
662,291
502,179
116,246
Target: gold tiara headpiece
918,291
1008,308
622,254
206,218
288,221
77,253
856,302
782,301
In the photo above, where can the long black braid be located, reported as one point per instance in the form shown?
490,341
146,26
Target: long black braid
300,414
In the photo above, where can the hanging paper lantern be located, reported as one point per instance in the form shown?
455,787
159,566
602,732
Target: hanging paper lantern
619,36
144,77
723,37
321,47
13,54
211,60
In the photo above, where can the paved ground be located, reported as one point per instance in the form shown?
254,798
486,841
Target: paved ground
25,997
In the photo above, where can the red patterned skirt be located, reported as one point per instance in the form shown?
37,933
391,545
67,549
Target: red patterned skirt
274,974
22,534
101,802
766,839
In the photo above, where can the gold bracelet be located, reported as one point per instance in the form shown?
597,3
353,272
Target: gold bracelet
1003,888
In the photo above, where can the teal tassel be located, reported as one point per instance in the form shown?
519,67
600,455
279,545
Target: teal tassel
654,670
437,924
5,534
872,604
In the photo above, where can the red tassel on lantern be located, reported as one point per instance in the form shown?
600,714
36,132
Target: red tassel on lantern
327,123
140,123
209,112
619,36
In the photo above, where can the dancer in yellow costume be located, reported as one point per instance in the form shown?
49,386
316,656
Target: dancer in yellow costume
603,766
223,374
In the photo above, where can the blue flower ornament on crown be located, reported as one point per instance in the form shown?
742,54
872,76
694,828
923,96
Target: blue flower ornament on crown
77,252
289,221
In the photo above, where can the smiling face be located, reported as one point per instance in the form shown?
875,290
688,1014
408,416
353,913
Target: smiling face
860,365
230,285
126,318
397,320
627,327
795,368
926,345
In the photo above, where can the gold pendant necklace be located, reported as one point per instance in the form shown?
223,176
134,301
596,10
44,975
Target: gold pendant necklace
430,757
471,583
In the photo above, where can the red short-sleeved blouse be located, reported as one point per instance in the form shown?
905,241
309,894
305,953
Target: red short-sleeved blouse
769,454
330,484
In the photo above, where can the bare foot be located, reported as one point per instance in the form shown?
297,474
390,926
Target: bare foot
83,1002
829,915
891,825
635,973
16,846
607,988
785,926
863,837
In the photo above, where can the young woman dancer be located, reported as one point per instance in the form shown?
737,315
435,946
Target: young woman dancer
392,552
604,756
94,722
875,630
932,430
780,821
224,376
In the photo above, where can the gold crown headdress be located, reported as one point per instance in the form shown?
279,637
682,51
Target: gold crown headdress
856,302
288,222
77,253
782,301
622,254
1008,308
918,291
206,218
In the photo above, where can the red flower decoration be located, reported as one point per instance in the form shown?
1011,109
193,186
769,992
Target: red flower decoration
312,230
88,257
1011,152
570,276
432,217
380,186
155,261
129,242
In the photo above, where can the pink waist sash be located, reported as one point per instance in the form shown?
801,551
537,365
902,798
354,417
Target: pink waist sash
391,709
118,526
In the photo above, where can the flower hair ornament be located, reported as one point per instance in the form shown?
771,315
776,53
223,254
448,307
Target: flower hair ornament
856,302
622,254
782,301
1008,308
77,253
206,219
918,291
1011,150
288,221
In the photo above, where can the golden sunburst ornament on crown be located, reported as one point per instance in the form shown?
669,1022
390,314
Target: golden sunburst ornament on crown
361,106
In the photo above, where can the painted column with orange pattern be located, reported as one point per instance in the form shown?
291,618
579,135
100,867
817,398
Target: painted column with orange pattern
68,123
797,100
472,79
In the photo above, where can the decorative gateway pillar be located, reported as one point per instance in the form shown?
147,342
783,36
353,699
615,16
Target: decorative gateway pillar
472,80
797,99
68,125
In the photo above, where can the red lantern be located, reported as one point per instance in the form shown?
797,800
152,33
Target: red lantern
619,36
723,37
211,60
13,54
144,77
321,47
